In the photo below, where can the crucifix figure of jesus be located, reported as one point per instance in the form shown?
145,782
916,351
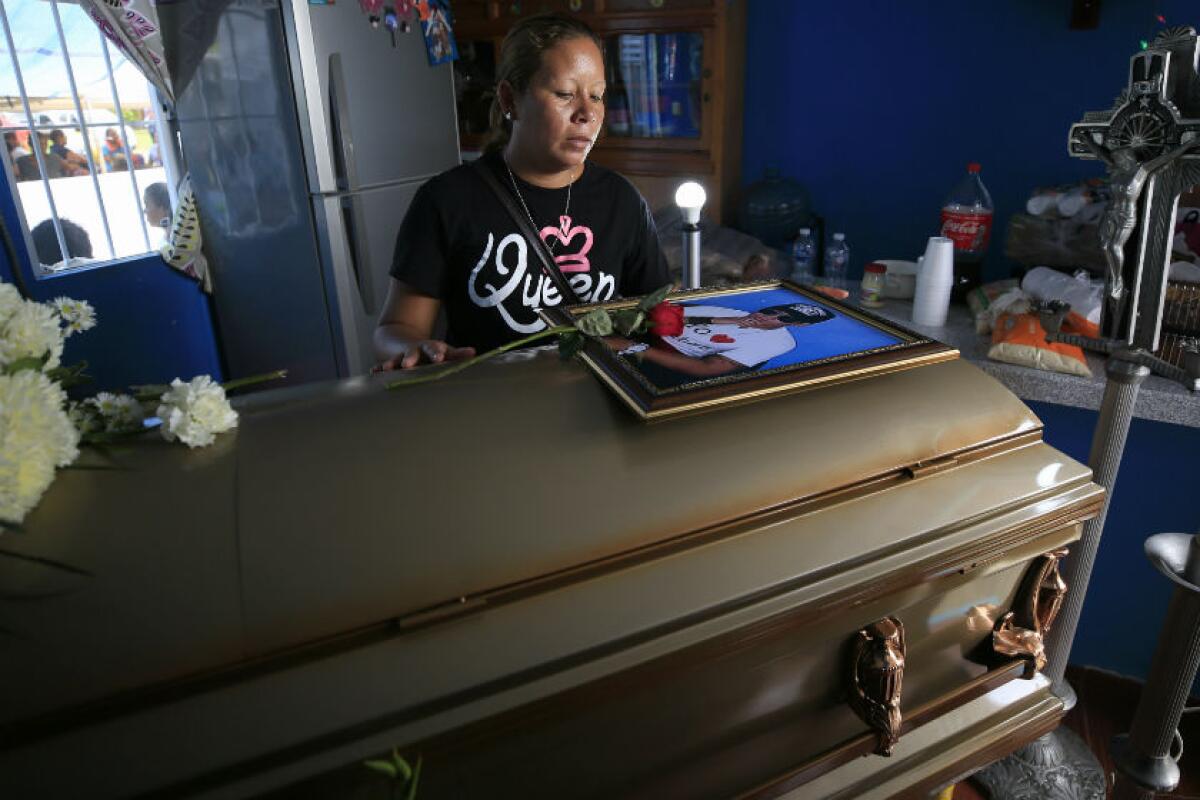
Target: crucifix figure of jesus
1128,176
1150,142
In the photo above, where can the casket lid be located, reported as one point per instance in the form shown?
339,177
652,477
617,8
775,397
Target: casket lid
502,524
357,505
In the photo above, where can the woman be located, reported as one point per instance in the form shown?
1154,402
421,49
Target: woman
459,249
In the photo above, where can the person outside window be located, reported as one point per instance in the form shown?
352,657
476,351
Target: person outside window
156,202
459,249
77,162
154,156
45,241
28,169
15,148
113,151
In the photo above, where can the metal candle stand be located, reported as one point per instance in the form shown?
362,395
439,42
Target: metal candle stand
1150,141
690,197
1143,756
691,255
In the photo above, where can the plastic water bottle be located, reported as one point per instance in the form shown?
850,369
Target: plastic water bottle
837,261
804,256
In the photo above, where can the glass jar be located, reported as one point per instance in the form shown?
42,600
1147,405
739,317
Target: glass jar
872,285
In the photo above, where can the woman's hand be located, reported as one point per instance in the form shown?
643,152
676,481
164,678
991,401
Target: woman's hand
426,351
402,337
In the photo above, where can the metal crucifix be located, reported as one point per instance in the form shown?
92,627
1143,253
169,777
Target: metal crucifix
1150,140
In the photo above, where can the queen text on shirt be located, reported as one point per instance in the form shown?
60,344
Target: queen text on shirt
505,279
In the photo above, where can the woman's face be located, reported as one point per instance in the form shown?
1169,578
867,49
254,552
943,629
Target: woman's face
559,116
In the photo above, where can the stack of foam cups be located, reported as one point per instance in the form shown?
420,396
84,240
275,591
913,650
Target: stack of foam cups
932,298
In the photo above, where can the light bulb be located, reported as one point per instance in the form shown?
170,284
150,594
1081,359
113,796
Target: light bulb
690,198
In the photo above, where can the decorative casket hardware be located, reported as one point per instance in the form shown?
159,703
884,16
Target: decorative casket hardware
877,677
1022,631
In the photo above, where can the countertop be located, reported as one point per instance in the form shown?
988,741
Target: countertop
1159,399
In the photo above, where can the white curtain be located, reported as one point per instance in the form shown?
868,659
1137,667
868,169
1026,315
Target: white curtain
132,25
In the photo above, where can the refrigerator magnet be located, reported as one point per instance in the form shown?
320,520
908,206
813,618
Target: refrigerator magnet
439,38
373,9
393,22
405,11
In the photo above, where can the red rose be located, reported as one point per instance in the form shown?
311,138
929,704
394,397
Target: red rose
666,320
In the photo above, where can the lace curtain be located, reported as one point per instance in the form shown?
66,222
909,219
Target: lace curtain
132,26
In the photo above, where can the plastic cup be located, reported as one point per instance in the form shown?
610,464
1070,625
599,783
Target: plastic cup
931,301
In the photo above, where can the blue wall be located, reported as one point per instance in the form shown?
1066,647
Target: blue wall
878,107
154,323
1155,492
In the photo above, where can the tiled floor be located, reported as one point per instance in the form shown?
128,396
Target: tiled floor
1105,708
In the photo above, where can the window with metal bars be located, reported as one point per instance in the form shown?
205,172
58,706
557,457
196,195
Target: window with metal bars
88,153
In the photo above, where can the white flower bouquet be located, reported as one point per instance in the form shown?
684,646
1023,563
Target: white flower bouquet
41,430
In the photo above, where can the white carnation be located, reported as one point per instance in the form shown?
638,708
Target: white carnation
35,437
77,315
10,301
195,412
32,331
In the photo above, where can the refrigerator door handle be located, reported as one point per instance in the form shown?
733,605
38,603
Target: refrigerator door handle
360,253
344,167
346,172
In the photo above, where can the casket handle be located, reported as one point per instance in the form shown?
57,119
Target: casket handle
1022,631
877,675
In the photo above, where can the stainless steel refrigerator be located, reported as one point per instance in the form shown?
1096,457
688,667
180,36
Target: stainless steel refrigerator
307,132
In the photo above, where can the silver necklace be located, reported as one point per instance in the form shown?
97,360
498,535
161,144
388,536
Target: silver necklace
566,209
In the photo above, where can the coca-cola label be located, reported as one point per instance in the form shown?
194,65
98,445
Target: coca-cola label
968,230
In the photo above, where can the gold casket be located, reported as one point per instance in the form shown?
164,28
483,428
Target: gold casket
840,592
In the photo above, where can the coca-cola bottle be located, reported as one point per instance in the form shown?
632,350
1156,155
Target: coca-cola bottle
967,220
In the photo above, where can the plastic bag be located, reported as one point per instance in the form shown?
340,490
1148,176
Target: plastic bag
724,252
981,298
1082,294
1019,338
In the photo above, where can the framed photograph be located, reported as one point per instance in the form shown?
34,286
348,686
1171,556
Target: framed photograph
743,343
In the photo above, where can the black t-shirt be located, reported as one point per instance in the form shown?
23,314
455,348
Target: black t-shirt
460,245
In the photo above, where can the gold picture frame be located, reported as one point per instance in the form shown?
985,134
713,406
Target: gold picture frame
726,327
